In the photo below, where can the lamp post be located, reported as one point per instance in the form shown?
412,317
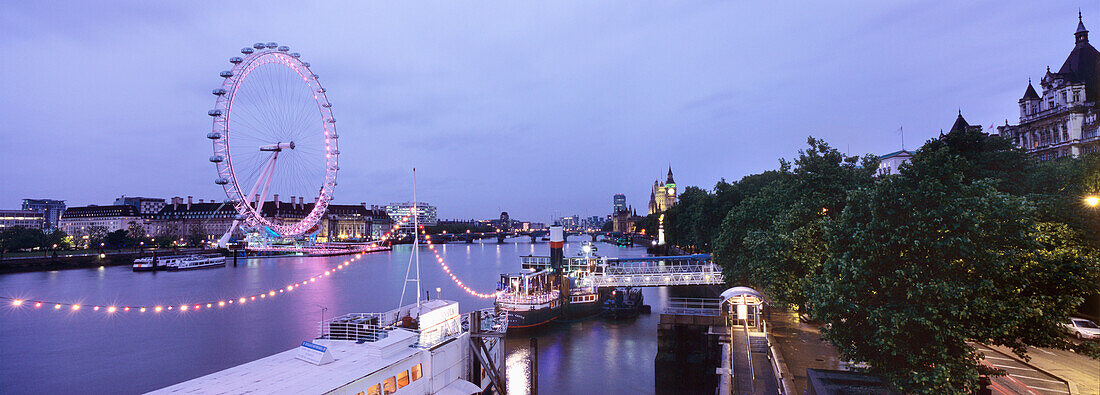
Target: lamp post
1092,200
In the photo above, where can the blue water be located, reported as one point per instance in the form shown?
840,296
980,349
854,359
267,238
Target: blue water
57,351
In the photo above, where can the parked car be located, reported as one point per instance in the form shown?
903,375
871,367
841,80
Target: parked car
1083,329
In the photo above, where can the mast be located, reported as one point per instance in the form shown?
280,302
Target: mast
415,257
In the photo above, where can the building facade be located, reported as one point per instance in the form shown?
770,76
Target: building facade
890,163
1063,120
180,219
22,219
663,196
91,222
145,206
425,213
50,209
618,203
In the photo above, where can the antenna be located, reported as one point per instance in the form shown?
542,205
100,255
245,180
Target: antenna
415,256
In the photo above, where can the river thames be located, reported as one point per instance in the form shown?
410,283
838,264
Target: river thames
57,351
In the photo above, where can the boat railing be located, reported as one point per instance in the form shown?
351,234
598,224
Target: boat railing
528,299
357,327
694,306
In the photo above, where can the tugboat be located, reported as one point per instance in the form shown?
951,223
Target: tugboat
624,302
530,299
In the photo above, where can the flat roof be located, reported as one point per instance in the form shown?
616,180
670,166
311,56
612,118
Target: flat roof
285,373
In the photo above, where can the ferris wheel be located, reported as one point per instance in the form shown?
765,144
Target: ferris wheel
274,134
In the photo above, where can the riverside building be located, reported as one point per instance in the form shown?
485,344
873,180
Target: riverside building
1063,120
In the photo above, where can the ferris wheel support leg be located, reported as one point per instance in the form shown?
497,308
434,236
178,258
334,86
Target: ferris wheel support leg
266,179
223,242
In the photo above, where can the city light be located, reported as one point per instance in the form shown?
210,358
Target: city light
1092,200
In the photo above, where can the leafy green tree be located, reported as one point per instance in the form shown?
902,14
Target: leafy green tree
944,254
117,239
773,239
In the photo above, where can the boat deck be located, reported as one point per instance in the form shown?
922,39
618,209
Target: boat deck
285,373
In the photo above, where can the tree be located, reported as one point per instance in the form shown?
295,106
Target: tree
943,254
773,239
117,239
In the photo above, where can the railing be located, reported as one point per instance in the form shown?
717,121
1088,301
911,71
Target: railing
694,306
358,327
648,274
491,321
528,299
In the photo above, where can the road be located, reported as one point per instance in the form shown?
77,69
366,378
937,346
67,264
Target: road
1055,366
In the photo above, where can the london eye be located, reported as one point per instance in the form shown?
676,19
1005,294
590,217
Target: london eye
273,134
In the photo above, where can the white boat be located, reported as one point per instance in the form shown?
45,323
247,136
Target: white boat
144,264
193,262
178,262
425,348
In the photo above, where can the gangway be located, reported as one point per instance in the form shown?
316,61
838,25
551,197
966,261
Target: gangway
662,271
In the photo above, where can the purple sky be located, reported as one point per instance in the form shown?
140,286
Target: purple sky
536,109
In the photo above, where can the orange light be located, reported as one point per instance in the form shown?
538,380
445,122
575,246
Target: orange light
37,304
157,309
221,303
241,300
183,308
16,302
95,308
112,309
76,307
142,309
209,305
57,306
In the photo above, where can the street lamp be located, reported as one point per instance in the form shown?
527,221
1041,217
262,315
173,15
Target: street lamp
1092,200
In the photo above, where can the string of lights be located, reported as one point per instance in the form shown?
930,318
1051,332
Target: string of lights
447,269
224,303
183,307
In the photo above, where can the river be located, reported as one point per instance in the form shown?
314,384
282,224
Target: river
62,351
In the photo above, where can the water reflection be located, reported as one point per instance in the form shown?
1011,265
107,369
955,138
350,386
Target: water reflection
85,351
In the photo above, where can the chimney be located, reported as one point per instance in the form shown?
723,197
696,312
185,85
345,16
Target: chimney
292,201
301,202
175,202
200,201
189,203
276,201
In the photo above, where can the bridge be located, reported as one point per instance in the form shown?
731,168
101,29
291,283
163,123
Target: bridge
658,271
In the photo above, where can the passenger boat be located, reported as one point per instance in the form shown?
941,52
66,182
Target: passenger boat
144,264
177,262
190,262
624,302
530,299
420,348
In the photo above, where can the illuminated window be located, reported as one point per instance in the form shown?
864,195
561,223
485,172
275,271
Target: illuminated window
374,390
403,379
389,386
416,373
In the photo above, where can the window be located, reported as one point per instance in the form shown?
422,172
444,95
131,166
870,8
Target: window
390,385
403,379
374,390
415,372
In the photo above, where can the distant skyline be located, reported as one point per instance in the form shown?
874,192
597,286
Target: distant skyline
538,109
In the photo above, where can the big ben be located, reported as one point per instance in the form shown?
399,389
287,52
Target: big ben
664,195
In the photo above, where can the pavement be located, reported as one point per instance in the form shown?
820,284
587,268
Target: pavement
802,347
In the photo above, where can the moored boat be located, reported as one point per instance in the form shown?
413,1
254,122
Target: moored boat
530,299
624,302
191,262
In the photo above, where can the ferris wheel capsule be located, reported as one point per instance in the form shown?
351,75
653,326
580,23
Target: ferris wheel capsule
213,135
272,45
326,105
214,113
218,92
295,55
221,181
217,158
284,48
235,60
226,74
258,45
247,50
305,64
